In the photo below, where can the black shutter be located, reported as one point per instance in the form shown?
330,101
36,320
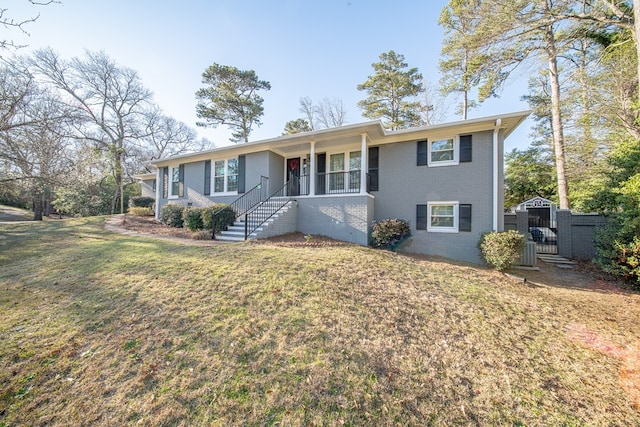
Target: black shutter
242,161
423,153
165,182
464,218
321,176
421,217
465,148
207,177
181,181
373,168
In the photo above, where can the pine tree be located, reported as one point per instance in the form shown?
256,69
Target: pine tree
392,92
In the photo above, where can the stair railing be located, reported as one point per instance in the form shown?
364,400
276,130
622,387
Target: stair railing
261,213
241,205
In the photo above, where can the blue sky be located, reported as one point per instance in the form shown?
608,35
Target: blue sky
320,49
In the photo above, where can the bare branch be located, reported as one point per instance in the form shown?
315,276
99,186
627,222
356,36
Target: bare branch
10,23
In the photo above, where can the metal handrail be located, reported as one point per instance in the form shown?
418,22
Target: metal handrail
261,213
338,182
243,203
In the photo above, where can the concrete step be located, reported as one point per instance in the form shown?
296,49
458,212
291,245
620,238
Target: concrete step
235,232
228,238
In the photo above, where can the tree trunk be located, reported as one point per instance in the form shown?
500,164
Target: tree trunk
37,206
465,103
556,118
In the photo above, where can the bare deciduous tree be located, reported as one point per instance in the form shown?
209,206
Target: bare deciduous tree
33,138
19,24
328,113
166,136
110,101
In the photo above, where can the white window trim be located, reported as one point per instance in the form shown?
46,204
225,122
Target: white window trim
456,214
225,191
456,152
170,194
346,171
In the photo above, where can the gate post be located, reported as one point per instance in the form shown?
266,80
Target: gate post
522,222
564,220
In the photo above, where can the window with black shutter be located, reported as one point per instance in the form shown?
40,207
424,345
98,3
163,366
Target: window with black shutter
242,161
321,181
465,148
421,217
464,217
373,168
207,177
423,153
165,182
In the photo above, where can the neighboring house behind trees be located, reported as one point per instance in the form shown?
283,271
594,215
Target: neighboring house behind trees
446,180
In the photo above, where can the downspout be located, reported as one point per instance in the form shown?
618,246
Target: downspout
496,176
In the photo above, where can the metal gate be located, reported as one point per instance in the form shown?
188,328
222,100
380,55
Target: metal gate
543,230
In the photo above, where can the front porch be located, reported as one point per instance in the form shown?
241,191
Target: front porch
330,183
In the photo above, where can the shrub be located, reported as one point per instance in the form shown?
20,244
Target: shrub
142,202
225,216
389,233
192,218
618,253
140,211
172,215
501,249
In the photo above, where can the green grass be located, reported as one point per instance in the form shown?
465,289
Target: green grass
103,329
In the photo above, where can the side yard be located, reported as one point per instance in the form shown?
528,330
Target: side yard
100,328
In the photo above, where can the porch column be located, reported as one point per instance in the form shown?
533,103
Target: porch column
363,164
312,169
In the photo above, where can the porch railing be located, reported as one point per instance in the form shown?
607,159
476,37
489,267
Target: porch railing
243,203
338,182
327,183
261,213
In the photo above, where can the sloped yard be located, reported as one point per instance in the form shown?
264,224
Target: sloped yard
98,328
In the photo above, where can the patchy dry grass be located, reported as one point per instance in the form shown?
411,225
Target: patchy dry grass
104,329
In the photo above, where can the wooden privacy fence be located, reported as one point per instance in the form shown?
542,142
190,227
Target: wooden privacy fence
574,231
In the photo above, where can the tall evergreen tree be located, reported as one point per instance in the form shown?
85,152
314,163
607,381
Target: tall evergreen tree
392,92
508,34
457,64
231,98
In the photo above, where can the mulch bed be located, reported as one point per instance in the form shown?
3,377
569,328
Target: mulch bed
150,225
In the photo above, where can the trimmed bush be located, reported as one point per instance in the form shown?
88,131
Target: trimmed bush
501,249
389,233
142,202
192,218
140,211
224,218
618,253
172,215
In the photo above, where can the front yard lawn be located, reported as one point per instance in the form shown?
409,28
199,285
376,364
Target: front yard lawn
98,328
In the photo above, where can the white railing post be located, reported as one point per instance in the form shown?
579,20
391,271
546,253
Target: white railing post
312,169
